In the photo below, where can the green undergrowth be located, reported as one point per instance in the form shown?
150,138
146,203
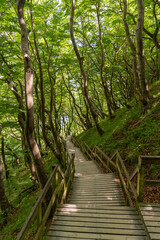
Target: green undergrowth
22,194
132,131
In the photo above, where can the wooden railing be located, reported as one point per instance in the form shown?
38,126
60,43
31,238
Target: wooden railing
133,194
61,183
141,182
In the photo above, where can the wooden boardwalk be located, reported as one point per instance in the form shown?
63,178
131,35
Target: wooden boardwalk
96,207
151,217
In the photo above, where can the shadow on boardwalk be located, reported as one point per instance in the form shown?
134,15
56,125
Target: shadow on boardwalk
96,207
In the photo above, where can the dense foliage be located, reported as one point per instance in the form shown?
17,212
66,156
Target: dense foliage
87,59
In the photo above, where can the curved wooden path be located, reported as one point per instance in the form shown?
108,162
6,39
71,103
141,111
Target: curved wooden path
96,207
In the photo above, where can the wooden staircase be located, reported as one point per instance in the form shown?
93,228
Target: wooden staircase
96,207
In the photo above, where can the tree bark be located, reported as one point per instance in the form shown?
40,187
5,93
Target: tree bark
4,203
140,53
3,154
28,74
85,80
101,65
58,151
133,49
21,120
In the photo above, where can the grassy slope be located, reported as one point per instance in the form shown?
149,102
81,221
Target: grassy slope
22,201
132,132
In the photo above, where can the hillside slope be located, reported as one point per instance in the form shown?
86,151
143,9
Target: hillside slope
132,131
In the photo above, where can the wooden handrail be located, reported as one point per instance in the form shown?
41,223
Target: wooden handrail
115,163
67,178
142,161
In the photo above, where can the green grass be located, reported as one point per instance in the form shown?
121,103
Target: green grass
132,131
22,202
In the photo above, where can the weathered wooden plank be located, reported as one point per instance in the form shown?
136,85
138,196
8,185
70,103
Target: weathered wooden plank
97,224
118,203
96,189
95,198
151,213
84,206
155,236
97,220
95,192
154,230
152,182
98,215
63,238
152,224
150,159
150,208
120,212
76,229
94,236
152,218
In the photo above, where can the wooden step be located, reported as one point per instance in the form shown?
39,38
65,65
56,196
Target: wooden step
96,208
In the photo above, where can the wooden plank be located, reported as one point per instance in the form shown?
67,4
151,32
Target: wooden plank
152,218
150,159
120,212
98,225
88,187
84,206
152,223
152,182
98,215
100,202
155,236
150,209
94,193
154,230
102,196
97,220
94,236
150,213
91,230
64,238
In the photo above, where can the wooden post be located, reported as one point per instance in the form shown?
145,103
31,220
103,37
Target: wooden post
40,214
56,184
128,189
140,180
117,159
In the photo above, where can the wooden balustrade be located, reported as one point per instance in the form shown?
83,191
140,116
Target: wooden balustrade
61,183
116,164
141,182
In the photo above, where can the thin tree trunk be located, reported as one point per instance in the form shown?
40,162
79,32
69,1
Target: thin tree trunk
58,153
28,74
4,203
3,154
140,52
21,120
101,65
133,49
85,80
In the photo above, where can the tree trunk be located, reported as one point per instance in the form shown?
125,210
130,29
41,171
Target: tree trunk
28,74
140,53
133,49
101,66
85,80
48,142
4,203
3,154
21,120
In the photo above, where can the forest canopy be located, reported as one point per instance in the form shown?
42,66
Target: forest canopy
65,65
